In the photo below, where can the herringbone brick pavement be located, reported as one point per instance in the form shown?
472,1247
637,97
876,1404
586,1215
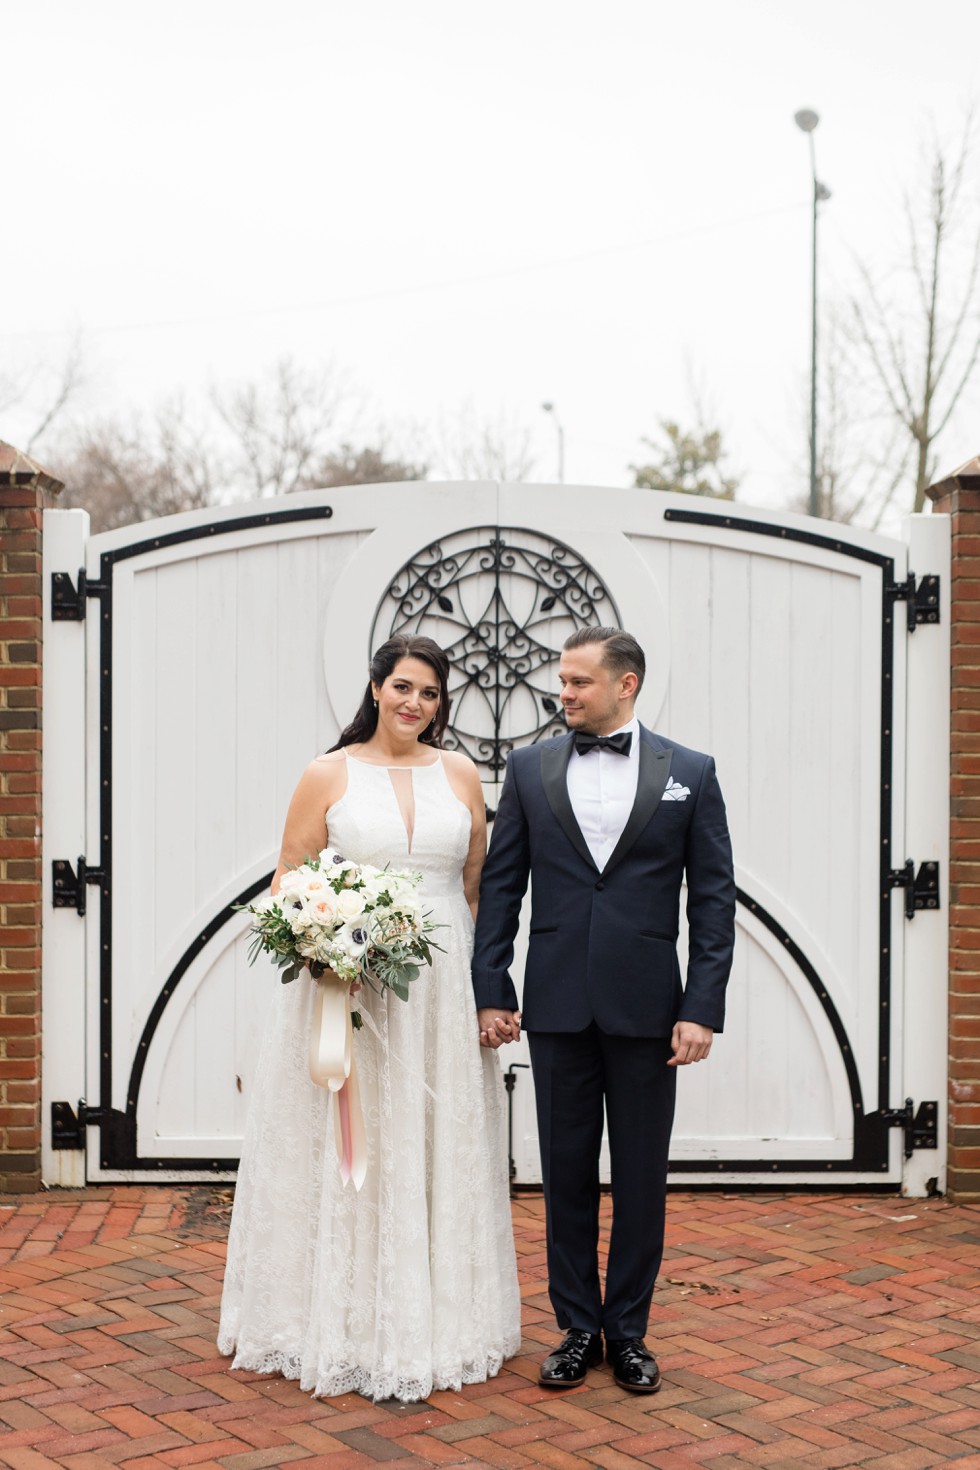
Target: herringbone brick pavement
812,1331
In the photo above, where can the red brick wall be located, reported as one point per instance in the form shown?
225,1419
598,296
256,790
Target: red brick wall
21,487
959,497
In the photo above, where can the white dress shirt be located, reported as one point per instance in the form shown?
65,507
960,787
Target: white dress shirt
602,790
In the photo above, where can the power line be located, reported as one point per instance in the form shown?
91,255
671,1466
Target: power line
418,288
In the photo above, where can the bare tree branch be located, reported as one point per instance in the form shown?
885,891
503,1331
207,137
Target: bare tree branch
279,429
70,379
924,365
468,447
125,473
905,409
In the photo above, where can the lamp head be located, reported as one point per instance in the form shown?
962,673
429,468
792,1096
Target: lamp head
806,119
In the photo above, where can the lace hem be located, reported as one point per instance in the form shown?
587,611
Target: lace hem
348,1378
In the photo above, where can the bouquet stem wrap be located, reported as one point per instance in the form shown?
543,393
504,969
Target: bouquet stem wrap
332,1065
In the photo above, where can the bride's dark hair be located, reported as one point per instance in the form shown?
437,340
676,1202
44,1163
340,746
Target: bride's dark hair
402,645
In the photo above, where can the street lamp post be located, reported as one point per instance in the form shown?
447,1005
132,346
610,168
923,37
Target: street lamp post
806,119
550,408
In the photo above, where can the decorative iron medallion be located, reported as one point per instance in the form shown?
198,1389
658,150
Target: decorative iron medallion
501,601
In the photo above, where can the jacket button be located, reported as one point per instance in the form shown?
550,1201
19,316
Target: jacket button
600,885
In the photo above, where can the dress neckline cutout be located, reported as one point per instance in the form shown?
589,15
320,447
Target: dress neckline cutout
381,766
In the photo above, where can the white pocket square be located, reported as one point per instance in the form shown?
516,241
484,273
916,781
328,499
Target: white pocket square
676,792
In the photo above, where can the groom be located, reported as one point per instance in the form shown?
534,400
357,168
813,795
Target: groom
606,821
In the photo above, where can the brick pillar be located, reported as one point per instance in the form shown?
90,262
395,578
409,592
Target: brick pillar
958,496
22,486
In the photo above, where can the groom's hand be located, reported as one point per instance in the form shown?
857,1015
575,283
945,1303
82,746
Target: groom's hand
497,1027
689,1043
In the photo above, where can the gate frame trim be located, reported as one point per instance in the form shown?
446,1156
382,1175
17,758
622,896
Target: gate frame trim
871,1134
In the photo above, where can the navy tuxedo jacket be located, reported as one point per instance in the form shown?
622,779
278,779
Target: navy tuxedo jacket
603,945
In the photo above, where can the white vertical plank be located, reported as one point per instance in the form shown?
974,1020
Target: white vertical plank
689,613
730,731
297,672
894,1028
215,731
927,839
849,859
806,758
653,705
179,645
63,827
258,816
333,554
136,711
94,938
173,1110
214,1049
255,987
769,674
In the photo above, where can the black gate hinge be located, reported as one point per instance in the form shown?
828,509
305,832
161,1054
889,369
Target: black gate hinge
68,886
67,600
921,1126
921,888
921,599
68,1125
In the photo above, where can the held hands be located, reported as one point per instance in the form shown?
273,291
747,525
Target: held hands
689,1043
498,1027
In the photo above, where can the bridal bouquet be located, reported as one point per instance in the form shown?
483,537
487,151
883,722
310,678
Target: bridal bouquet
343,923
363,923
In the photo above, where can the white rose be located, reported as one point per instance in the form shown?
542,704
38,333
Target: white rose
315,886
374,887
322,911
406,902
348,905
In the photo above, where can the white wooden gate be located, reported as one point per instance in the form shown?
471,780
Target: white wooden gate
194,665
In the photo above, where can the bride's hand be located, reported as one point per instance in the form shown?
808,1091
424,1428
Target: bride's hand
498,1027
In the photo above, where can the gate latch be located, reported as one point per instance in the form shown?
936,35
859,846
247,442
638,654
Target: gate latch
921,888
921,1127
68,887
921,599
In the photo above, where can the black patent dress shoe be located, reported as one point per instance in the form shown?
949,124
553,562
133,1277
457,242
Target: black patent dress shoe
568,1364
634,1366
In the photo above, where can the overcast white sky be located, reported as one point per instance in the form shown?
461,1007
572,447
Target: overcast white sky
505,203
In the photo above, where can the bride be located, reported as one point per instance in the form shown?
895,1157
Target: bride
410,1283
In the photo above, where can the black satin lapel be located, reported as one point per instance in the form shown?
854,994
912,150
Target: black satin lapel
554,767
650,786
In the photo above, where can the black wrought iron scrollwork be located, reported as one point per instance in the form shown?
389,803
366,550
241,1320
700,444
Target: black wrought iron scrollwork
501,601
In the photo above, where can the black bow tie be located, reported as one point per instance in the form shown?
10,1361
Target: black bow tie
619,743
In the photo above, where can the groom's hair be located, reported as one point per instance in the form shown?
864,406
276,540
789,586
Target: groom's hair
621,654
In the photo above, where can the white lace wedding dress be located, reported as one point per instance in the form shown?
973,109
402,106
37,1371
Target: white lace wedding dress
409,1284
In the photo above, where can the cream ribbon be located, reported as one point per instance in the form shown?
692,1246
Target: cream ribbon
333,1066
